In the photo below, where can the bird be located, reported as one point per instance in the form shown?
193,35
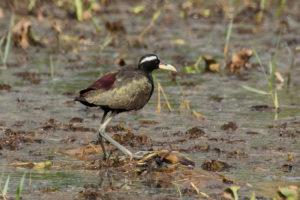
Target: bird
122,90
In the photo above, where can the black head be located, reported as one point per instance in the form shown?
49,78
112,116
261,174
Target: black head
150,62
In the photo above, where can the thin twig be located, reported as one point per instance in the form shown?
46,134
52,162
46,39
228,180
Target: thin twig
198,191
165,96
91,145
147,28
158,101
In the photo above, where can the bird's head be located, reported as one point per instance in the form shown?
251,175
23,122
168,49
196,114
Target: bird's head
150,62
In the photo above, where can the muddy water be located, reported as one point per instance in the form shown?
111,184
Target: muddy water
259,150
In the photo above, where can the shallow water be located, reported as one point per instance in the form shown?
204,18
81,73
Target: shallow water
256,158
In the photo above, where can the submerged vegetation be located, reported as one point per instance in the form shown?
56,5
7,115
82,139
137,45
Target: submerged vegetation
205,132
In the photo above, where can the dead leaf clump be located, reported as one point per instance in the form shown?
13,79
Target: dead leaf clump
32,77
133,140
240,61
211,64
11,140
5,87
195,132
229,126
215,166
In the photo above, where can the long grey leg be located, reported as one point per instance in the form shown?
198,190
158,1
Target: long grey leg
102,134
100,138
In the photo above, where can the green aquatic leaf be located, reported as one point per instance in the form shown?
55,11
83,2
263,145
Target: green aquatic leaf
234,190
196,64
288,193
206,12
190,70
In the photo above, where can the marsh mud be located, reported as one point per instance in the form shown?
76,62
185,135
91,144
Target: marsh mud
232,135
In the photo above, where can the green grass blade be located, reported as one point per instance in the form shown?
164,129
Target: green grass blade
1,53
275,100
7,46
196,64
280,8
272,65
229,31
31,4
78,5
262,4
260,64
256,90
8,39
4,191
51,68
272,75
20,187
107,41
96,25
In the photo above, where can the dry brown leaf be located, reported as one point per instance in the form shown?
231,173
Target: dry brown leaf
211,64
87,15
20,33
56,27
279,77
40,16
115,26
23,35
1,13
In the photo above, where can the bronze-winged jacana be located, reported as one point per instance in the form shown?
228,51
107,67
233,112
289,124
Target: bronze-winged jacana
120,91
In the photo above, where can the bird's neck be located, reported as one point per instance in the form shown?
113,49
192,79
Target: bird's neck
147,73
148,69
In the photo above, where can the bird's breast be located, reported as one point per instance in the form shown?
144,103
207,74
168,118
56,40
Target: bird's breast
133,95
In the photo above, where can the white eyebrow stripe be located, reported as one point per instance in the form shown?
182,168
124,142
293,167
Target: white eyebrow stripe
148,59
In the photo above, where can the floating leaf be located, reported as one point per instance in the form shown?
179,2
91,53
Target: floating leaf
43,165
34,165
206,13
178,42
138,9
